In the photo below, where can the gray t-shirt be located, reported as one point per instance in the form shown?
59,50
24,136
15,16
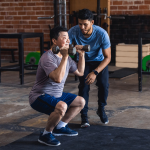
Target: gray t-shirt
48,63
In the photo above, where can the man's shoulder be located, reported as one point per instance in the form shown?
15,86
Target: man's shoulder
74,29
99,29
47,55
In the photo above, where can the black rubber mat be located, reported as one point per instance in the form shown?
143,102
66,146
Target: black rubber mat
94,138
121,73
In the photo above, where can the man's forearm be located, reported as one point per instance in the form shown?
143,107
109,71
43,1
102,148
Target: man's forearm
81,64
106,61
103,64
58,74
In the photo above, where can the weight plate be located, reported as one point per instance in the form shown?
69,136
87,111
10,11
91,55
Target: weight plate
33,58
145,62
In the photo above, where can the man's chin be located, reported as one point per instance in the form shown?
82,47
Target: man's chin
67,46
84,32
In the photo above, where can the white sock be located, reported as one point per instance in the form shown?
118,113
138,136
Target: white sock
46,132
61,124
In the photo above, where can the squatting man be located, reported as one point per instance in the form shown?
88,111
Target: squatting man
47,94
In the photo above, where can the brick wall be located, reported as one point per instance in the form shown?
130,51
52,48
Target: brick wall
127,31
130,7
137,16
21,16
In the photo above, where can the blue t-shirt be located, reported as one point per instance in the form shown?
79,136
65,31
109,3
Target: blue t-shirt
98,40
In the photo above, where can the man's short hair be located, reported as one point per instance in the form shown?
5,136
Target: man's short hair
54,33
85,14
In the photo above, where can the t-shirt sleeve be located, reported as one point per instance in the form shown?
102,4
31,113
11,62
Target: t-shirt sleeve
48,63
105,41
73,65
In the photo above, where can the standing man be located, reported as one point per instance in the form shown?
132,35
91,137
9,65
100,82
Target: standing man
96,62
47,94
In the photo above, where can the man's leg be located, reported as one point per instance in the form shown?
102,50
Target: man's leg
84,92
47,137
56,115
47,105
103,85
75,107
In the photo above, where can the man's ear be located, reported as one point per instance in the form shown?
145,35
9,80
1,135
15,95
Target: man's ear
92,22
54,41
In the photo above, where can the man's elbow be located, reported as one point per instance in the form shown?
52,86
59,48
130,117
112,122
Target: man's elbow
57,80
109,59
81,74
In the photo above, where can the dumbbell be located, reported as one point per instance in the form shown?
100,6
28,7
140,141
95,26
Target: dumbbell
71,50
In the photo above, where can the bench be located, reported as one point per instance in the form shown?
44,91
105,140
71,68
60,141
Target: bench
12,53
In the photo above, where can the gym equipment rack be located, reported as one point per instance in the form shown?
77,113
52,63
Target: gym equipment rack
140,72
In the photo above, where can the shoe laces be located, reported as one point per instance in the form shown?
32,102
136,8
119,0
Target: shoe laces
67,128
51,136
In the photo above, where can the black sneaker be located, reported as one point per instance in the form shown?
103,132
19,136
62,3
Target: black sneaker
48,139
85,122
101,113
64,131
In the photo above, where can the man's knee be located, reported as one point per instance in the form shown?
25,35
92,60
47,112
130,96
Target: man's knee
78,102
81,101
61,108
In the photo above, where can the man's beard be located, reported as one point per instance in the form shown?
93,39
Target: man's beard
87,32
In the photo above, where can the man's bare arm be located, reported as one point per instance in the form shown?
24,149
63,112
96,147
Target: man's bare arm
58,74
106,61
81,62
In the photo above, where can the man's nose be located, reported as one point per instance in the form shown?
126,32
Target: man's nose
82,26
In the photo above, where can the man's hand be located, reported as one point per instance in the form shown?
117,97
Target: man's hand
64,51
79,49
90,78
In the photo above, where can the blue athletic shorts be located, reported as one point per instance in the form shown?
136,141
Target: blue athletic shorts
46,103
